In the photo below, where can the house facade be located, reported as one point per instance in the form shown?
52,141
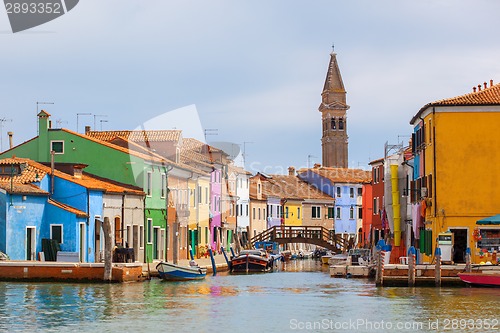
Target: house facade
443,149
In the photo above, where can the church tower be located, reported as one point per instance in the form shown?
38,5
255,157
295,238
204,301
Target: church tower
333,110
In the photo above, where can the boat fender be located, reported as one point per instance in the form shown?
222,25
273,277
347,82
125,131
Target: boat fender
348,276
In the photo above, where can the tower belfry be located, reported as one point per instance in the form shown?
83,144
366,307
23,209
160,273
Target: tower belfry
333,110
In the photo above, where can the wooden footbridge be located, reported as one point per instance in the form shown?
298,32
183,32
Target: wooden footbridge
304,234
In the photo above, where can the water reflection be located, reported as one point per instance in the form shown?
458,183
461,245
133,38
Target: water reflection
301,291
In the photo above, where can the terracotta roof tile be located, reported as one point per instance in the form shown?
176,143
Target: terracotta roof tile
18,188
487,96
139,136
291,187
67,208
341,175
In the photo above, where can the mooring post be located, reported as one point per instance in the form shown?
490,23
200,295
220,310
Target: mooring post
437,267
411,266
468,266
379,278
191,254
214,267
225,256
108,244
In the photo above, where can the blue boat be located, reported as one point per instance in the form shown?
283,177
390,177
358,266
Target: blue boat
171,272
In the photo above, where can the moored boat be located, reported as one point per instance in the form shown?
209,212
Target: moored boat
171,272
484,279
252,261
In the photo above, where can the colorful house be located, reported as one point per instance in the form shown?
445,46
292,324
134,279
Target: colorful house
345,185
456,178
258,202
147,171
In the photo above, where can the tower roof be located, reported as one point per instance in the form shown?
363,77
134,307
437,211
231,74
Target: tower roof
333,81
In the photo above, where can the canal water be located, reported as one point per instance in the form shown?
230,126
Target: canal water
300,297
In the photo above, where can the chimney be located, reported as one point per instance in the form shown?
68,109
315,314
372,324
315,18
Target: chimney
317,166
291,171
11,143
474,89
78,171
485,85
491,83
479,87
87,129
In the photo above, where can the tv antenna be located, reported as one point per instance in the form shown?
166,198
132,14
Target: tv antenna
2,121
59,122
309,160
37,111
211,131
95,117
244,155
81,114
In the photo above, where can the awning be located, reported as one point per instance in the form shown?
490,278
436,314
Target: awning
495,220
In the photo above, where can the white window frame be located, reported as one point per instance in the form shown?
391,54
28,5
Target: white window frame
338,213
149,226
52,145
316,212
62,231
163,185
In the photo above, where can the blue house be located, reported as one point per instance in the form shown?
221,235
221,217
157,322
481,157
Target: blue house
345,185
37,202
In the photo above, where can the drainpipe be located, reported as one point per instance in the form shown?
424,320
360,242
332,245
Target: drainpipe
52,172
167,170
434,194
123,217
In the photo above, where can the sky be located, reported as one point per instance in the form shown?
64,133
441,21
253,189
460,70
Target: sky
247,73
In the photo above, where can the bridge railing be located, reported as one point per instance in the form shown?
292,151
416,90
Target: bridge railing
302,233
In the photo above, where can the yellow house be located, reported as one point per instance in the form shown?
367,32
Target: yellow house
456,175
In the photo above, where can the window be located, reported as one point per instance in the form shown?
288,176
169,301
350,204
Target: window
360,191
246,210
351,192
206,235
258,188
149,183
286,212
57,147
338,192
163,185
375,205
360,213
316,212
330,212
206,195
150,231
298,213
333,124
199,194
56,232
259,213
351,213
253,212
341,123
337,215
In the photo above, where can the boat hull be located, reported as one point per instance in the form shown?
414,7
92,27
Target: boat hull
250,263
481,279
171,272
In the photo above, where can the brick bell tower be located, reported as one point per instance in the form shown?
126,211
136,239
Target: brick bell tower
333,110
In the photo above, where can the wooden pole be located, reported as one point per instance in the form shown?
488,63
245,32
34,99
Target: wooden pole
378,277
437,267
411,266
108,248
214,267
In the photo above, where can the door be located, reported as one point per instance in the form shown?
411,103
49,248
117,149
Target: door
459,245
82,247
30,243
135,241
156,242
98,243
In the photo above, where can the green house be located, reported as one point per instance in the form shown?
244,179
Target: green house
142,169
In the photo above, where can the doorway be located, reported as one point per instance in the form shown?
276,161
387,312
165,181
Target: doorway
459,245
82,246
30,243
98,244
